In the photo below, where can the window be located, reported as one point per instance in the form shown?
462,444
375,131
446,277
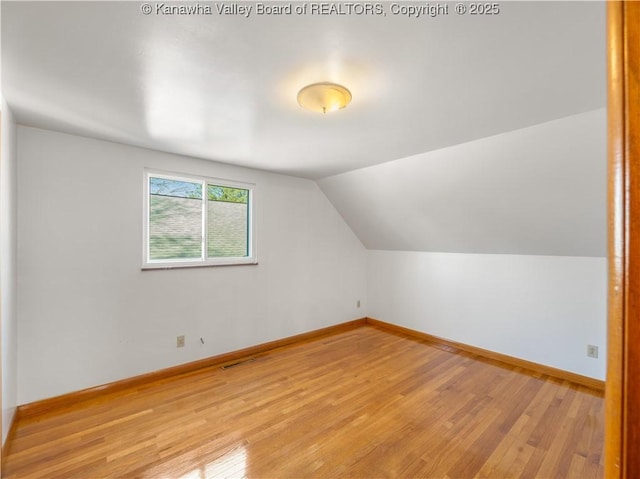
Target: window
194,221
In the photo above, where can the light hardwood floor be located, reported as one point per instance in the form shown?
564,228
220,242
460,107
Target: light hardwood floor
364,403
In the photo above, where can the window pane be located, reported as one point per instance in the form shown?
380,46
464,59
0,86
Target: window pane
176,188
227,230
175,219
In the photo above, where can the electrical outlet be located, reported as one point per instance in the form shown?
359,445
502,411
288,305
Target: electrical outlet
180,342
592,351
358,303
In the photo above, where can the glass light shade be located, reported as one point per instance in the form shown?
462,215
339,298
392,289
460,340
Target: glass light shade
324,97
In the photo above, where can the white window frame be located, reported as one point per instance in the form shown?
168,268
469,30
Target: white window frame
147,263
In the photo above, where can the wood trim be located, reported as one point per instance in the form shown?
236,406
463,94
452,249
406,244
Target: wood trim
615,134
622,416
70,399
454,346
10,435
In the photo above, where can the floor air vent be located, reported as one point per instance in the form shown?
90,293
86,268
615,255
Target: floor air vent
239,362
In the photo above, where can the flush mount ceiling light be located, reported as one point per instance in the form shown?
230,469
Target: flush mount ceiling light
324,97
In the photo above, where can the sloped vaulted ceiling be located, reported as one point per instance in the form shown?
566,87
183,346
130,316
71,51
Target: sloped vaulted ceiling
540,190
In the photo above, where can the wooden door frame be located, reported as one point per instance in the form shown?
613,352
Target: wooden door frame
622,416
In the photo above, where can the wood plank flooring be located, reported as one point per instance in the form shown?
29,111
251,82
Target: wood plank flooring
361,404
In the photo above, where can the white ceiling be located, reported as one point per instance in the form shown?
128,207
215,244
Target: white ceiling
224,87
539,190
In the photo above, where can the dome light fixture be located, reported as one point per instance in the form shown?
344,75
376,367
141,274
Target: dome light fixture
324,97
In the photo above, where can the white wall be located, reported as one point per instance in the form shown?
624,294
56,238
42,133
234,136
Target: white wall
88,315
8,268
544,309
497,243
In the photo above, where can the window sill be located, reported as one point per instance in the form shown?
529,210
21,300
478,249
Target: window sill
164,266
